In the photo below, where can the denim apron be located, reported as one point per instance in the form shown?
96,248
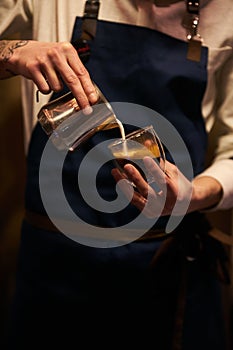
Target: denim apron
65,289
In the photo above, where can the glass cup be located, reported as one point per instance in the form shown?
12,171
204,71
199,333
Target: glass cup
68,126
137,145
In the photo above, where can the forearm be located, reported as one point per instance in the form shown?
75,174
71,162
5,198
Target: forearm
7,49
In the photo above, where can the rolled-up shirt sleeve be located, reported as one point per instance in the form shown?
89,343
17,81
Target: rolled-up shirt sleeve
222,171
220,100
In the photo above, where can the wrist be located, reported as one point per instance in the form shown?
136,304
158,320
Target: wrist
7,50
207,193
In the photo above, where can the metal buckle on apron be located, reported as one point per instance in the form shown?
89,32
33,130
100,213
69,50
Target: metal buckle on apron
89,25
83,49
191,23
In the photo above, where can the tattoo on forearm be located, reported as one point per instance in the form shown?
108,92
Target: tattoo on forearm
7,48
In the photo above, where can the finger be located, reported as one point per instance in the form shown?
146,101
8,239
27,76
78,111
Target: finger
80,84
134,175
60,57
84,77
139,201
74,84
156,171
126,187
117,174
123,183
52,77
75,75
41,82
150,205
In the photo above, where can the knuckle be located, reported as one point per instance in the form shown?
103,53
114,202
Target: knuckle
32,66
82,71
53,53
66,46
72,79
42,63
57,87
58,49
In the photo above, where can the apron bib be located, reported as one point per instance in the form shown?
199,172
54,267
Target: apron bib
159,77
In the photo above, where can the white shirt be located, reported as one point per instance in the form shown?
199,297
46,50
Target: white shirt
53,20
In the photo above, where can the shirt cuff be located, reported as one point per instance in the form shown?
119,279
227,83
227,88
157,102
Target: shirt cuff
222,171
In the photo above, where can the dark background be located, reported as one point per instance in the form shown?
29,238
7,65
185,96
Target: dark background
12,182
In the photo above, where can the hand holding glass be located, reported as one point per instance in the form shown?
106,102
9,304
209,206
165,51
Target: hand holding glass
137,145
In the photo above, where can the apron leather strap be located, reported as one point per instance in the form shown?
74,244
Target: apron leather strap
88,32
191,22
90,18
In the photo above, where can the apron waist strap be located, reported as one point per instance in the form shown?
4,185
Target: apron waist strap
43,222
221,236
